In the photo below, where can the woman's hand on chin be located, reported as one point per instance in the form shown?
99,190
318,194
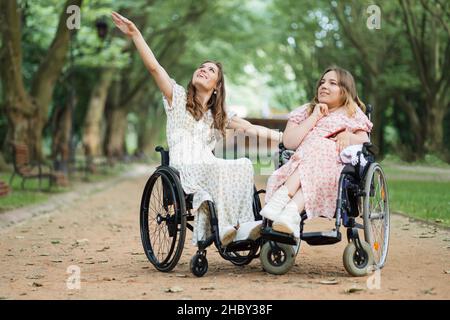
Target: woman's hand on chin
320,111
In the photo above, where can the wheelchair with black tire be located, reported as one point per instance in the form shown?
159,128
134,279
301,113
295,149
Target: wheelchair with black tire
165,214
362,204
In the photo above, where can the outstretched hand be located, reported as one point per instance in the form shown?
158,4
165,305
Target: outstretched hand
125,25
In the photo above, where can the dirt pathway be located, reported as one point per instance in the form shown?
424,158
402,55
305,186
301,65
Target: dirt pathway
98,235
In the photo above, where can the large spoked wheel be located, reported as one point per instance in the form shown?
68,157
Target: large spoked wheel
163,222
376,214
277,258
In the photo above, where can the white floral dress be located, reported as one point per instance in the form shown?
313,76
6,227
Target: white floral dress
228,183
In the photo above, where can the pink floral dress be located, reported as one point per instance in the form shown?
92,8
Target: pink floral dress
318,160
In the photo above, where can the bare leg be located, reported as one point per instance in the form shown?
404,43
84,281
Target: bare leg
299,200
293,183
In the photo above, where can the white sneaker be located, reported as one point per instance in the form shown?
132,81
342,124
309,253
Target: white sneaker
289,220
276,204
227,235
249,230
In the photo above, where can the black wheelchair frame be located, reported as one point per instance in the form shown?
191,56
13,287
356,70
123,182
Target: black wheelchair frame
173,195
358,257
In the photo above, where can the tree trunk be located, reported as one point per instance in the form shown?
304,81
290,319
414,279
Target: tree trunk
62,137
94,115
432,70
149,129
45,78
18,105
413,146
434,127
377,136
3,165
27,112
116,132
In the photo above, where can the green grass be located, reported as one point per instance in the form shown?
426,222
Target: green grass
19,197
30,195
425,200
428,161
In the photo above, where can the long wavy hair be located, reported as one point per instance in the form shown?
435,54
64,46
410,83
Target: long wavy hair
346,82
216,103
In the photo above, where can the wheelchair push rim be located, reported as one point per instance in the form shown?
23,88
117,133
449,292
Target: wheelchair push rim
376,214
163,222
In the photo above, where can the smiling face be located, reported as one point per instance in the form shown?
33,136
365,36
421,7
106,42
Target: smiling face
329,91
337,88
206,76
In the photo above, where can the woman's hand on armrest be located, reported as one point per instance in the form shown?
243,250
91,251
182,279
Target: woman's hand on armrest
347,138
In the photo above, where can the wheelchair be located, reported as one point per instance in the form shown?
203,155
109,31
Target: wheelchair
165,214
362,194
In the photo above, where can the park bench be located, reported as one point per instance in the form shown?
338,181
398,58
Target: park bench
4,189
27,169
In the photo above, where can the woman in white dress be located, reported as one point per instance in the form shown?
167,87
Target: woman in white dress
194,118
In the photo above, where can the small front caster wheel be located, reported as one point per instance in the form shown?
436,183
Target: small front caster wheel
277,258
199,264
358,264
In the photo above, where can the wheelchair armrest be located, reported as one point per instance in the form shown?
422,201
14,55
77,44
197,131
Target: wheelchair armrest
284,154
369,149
287,154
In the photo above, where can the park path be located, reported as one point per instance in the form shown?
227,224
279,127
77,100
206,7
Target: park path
99,234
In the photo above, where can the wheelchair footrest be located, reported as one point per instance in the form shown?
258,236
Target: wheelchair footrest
272,235
321,238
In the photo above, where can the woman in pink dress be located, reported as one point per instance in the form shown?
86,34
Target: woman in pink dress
318,131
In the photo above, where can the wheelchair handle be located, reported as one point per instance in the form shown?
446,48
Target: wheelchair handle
369,110
369,149
164,155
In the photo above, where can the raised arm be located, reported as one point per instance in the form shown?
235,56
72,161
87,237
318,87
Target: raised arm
156,70
254,130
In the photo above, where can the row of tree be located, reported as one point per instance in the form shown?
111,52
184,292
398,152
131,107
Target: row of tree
60,87
401,65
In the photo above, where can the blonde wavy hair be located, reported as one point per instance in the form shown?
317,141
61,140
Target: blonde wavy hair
346,83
